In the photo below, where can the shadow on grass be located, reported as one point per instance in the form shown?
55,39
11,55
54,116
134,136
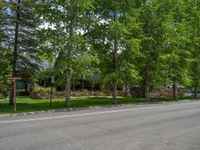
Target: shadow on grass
29,105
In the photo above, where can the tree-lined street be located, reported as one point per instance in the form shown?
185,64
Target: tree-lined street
126,65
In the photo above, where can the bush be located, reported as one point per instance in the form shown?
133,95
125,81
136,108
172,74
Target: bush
39,88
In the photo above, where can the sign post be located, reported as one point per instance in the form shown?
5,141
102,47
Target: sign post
14,79
51,94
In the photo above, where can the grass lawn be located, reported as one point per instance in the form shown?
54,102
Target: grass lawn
28,104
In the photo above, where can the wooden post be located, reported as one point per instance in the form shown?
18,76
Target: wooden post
14,79
51,94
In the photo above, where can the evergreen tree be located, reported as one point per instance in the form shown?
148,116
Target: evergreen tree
5,68
20,24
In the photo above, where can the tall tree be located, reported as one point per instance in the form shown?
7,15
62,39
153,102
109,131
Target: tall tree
193,19
20,25
113,40
69,20
177,52
5,68
152,38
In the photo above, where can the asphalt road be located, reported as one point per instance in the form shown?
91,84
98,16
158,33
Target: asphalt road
173,126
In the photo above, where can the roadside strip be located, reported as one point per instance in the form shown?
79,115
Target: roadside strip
98,113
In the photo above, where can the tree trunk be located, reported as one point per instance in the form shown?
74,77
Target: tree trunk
14,57
92,89
195,92
26,86
146,86
69,57
67,94
114,84
126,90
174,88
114,94
195,79
114,65
51,95
128,94
73,88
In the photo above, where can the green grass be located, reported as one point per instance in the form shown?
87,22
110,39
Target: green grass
28,105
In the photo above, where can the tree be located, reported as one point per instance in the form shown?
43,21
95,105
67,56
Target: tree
149,64
177,52
69,20
5,68
193,19
20,25
113,41
5,71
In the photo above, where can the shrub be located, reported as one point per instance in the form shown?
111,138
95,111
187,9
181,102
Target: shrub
38,88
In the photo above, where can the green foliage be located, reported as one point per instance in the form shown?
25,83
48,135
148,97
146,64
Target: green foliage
5,53
67,45
25,40
177,53
38,88
193,27
117,31
149,43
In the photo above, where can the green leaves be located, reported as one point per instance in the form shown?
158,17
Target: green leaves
145,43
177,53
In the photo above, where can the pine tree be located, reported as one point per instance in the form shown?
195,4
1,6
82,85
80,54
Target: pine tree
5,67
20,24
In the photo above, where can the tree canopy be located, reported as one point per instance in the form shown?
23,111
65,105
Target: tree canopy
145,44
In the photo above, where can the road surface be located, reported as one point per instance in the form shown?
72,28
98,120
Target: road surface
174,126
